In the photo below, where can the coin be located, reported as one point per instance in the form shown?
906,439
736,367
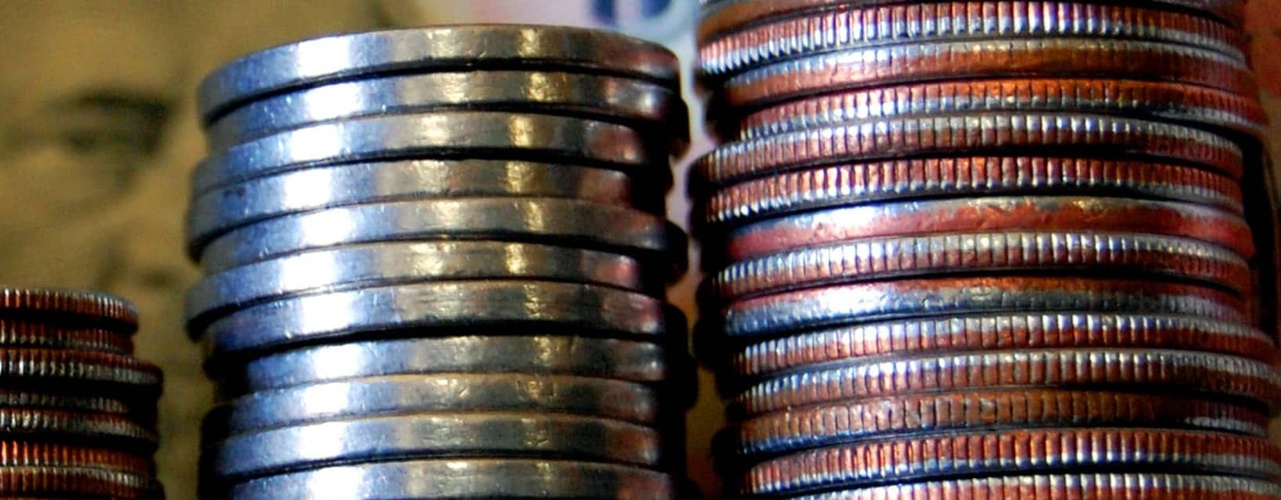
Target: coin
636,103
76,482
421,50
968,134
220,210
991,214
538,307
438,135
999,332
735,204
1150,370
943,296
579,224
465,478
393,263
1014,451
783,38
424,435
451,392
71,371
39,334
69,306
1101,486
15,453
828,424
78,428
1082,253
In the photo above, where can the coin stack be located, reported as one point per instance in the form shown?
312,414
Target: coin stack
989,249
437,261
77,410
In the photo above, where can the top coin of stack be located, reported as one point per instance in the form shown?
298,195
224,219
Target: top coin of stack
437,266
77,410
998,240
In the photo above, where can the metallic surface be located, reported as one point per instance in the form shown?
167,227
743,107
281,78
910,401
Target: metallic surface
1099,486
76,482
338,57
570,223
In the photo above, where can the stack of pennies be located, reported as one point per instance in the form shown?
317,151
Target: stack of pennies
988,249
77,410
436,266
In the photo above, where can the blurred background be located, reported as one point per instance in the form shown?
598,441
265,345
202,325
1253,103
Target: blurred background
98,135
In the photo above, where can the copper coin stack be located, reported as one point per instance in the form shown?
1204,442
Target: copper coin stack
77,410
436,265
991,249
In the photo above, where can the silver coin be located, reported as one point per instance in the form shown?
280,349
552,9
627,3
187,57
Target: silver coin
464,478
452,392
654,240
632,102
625,360
536,306
424,435
444,134
80,428
392,263
216,212
316,61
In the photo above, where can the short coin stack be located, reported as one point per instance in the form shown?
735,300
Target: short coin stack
987,249
437,261
77,410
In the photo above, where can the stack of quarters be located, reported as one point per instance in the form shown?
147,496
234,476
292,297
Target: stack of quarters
988,249
437,262
77,410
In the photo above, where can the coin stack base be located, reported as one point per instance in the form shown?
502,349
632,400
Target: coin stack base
439,269
986,249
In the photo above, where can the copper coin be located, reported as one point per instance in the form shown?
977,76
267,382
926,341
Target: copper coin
988,58
1150,100
1098,486
991,214
30,454
994,332
76,482
860,183
20,333
1146,370
869,463
10,398
829,424
1090,252
722,16
968,135
860,27
70,305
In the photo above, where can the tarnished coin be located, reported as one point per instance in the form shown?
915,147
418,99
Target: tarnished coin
424,435
636,103
723,16
1149,370
68,306
422,50
536,307
34,481
36,399
444,134
996,332
51,335
828,424
1162,101
739,203
394,263
944,296
1014,451
1099,486
66,371
969,135
220,210
789,37
573,223
1076,252
465,478
79,428
624,360
1011,57
450,392
991,214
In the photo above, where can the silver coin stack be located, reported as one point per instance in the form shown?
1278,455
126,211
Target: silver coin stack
437,261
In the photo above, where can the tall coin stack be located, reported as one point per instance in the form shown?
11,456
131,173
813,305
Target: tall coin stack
989,249
77,410
437,261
